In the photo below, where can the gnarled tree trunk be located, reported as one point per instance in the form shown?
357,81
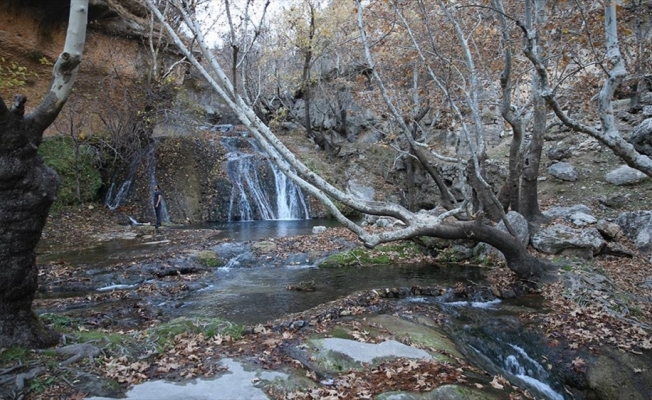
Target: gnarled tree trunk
27,190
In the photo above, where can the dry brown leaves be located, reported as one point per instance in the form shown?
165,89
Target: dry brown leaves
401,374
192,355
619,316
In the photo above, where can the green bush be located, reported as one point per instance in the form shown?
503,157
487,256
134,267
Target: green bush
59,154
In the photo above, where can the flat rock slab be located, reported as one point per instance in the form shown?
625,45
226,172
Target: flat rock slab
236,384
367,352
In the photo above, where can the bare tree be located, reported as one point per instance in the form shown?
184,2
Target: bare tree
27,190
415,224
614,73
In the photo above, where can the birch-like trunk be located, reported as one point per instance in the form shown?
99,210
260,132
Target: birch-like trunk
529,201
415,224
609,134
27,190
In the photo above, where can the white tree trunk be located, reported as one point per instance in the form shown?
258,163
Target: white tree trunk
609,134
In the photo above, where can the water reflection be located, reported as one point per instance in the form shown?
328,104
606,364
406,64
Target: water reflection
250,296
256,230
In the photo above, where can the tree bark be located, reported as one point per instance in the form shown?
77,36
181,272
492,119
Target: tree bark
415,224
27,190
529,202
524,265
512,197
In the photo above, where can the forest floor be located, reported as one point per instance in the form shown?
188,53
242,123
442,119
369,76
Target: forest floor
575,322
617,313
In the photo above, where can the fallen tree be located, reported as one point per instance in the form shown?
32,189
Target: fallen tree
472,223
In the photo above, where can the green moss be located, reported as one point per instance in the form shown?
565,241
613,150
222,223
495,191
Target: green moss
163,335
59,154
208,258
59,322
14,353
340,333
381,255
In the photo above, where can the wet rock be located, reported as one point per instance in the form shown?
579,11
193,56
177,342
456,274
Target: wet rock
446,392
625,175
208,258
316,230
561,239
303,286
617,374
231,250
174,267
563,171
238,255
264,246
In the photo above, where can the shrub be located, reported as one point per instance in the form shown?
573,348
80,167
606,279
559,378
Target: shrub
59,154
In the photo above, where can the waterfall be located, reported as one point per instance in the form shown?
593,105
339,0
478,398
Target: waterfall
113,202
260,189
148,157
151,173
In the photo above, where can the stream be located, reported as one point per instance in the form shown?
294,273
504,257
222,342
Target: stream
486,330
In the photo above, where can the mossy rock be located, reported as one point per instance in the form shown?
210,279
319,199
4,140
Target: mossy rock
381,255
264,246
208,258
448,392
163,335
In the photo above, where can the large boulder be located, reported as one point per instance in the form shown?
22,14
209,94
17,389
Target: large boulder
563,171
625,175
637,226
521,228
642,137
578,214
519,225
562,239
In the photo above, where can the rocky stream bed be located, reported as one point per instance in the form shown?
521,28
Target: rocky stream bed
432,341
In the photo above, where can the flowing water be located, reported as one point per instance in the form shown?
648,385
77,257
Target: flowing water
256,295
488,332
260,190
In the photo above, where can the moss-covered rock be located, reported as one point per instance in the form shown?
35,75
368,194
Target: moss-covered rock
208,258
381,255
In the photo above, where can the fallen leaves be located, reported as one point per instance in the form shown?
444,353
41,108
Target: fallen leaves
393,375
578,364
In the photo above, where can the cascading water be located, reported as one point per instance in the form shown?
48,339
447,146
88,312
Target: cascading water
260,190
494,339
151,173
148,157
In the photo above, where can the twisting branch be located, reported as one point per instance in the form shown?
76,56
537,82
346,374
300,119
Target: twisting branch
609,134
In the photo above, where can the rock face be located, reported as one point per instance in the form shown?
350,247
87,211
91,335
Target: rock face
563,171
561,239
579,214
625,175
642,137
637,226
519,225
